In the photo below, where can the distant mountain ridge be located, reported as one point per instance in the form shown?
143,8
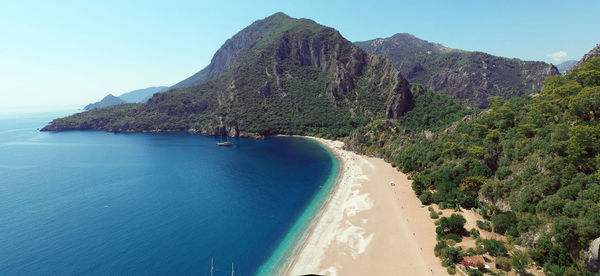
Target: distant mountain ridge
280,75
469,76
142,95
107,101
565,66
135,96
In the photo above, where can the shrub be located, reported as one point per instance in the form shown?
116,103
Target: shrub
474,233
452,236
503,222
503,263
495,247
452,253
441,245
484,225
520,262
447,263
474,272
453,224
426,198
451,270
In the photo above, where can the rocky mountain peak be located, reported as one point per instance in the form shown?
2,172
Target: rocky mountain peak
235,48
279,75
469,76
591,54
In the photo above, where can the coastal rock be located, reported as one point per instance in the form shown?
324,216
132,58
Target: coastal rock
591,256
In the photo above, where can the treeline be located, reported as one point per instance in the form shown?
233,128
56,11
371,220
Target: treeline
531,165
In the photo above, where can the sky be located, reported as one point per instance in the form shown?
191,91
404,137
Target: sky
70,53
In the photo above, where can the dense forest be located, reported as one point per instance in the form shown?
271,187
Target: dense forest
530,165
294,77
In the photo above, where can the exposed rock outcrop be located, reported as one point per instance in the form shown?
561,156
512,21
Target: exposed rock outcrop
592,256
591,54
469,76
280,75
234,49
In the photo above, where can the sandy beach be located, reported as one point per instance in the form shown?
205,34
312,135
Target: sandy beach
368,226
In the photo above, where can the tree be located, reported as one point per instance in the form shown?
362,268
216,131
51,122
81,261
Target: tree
471,184
503,222
586,104
495,247
582,146
453,224
564,229
454,254
426,198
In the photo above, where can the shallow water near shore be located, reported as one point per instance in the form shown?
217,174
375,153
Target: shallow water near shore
88,202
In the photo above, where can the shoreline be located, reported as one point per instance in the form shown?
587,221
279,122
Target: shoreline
302,243
367,226
283,256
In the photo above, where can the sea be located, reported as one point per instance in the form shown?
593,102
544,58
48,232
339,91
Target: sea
98,203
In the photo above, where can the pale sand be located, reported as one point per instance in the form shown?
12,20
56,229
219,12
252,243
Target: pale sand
369,227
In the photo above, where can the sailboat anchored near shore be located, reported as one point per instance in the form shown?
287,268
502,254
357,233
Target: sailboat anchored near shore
225,143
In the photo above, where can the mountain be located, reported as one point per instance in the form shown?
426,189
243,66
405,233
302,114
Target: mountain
469,76
565,66
142,95
135,96
107,101
530,165
591,54
279,75
234,49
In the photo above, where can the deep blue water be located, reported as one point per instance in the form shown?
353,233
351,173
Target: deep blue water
87,202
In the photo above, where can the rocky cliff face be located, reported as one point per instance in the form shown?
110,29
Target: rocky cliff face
293,76
469,76
591,54
592,256
234,49
346,66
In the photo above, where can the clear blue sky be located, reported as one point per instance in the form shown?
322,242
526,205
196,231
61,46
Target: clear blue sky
58,53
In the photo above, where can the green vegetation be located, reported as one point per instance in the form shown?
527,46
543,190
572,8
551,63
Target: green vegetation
451,225
503,263
494,247
474,233
279,84
530,164
462,74
484,225
520,262
449,255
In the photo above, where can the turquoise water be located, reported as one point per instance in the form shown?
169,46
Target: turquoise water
86,202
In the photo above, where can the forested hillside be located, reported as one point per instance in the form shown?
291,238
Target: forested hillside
469,76
530,164
294,76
